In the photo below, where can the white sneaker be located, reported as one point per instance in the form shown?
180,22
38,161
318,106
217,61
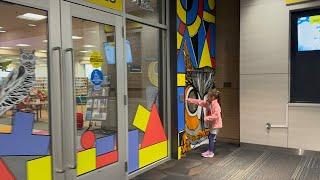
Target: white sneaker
209,155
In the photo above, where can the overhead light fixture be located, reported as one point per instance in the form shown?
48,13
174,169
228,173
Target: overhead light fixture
8,59
32,17
2,31
45,41
43,51
4,47
1,27
23,45
84,51
76,37
32,25
89,46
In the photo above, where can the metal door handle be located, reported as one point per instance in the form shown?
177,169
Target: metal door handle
60,168
73,164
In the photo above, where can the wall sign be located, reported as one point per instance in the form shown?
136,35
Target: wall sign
96,77
96,59
112,4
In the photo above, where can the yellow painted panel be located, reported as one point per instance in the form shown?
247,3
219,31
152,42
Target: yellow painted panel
86,161
112,4
39,169
179,40
193,28
315,20
153,153
182,14
181,80
212,4
5,128
209,17
205,57
179,152
295,1
141,119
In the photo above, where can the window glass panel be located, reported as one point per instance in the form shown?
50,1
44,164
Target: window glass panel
146,127
152,10
95,89
24,112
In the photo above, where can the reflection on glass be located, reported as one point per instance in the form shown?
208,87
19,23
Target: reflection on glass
146,130
23,87
95,86
148,9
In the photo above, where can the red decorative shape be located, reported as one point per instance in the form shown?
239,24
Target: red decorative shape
182,28
106,159
5,172
154,132
213,62
87,140
200,8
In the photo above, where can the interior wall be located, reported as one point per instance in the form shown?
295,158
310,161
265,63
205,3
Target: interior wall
264,79
227,76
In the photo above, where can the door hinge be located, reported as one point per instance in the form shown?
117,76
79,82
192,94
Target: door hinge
122,32
126,166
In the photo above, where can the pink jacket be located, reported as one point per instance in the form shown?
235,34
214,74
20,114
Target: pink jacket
214,115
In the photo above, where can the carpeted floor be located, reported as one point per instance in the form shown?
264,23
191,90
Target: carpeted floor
240,163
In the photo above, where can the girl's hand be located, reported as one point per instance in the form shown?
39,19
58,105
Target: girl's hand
207,119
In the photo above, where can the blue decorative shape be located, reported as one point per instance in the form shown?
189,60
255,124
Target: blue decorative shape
181,66
192,55
21,142
193,12
206,5
133,163
212,48
178,23
184,3
96,77
181,115
201,40
105,145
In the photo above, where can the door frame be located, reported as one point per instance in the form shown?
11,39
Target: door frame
69,10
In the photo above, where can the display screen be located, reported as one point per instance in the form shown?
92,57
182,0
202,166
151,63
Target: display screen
110,52
309,33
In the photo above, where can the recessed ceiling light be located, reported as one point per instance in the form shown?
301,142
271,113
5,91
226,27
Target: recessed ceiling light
89,46
84,51
76,37
23,45
32,25
4,47
2,31
45,41
32,17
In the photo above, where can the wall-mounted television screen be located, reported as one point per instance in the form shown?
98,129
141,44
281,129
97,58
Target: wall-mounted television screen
309,33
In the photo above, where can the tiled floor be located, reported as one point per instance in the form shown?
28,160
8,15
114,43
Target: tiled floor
245,162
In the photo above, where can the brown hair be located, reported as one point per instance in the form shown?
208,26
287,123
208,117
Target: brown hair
216,94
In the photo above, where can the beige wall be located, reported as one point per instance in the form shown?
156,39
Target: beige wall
227,55
264,79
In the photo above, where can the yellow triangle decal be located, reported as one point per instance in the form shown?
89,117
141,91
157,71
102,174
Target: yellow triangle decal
205,57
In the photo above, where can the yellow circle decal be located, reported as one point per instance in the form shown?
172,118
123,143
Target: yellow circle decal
96,59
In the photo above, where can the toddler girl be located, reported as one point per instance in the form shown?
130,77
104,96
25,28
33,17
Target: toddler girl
212,118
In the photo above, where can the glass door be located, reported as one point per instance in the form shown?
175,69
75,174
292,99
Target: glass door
30,114
93,93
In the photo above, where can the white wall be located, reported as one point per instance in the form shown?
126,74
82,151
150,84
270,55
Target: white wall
264,79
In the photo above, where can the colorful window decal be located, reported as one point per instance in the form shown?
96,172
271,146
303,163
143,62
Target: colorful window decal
154,144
